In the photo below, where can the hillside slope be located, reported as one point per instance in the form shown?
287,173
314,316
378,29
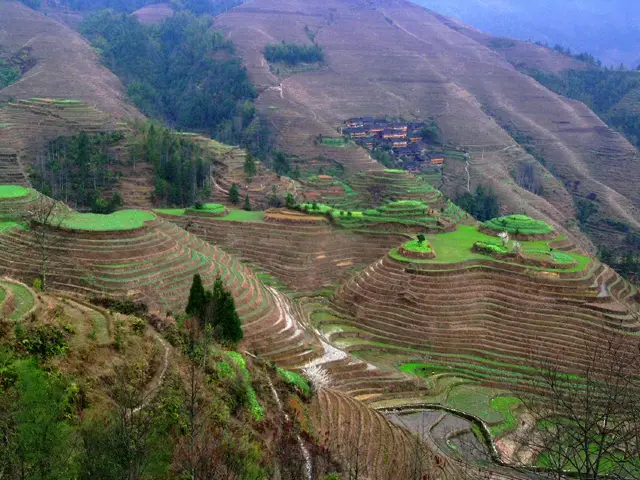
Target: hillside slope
60,63
391,57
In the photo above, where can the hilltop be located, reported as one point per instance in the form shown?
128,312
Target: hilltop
398,59
56,62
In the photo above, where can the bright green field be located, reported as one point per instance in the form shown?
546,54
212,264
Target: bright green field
454,247
209,208
234,215
121,220
24,300
242,216
171,211
519,224
13,191
416,246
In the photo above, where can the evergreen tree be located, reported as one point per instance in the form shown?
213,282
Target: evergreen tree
234,194
230,327
250,167
196,303
290,201
247,203
281,164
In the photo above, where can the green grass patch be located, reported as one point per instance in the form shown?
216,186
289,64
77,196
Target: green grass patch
504,405
13,191
297,380
241,216
23,298
100,328
213,208
170,211
393,170
417,246
257,411
519,224
456,247
121,220
334,142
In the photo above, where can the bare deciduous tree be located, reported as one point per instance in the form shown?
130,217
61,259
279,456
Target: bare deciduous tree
40,219
587,421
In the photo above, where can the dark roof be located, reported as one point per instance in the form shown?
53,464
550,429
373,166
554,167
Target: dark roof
352,130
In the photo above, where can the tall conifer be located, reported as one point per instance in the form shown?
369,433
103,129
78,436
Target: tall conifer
197,302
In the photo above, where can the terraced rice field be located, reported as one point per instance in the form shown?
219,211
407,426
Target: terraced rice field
121,220
13,191
17,300
473,316
134,253
304,256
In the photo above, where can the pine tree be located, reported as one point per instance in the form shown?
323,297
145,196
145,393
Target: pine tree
197,300
247,203
249,167
234,194
230,327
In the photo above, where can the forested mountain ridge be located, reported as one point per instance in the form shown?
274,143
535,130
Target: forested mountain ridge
54,61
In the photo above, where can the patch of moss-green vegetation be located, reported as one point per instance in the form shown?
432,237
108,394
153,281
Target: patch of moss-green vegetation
8,74
519,224
417,246
242,216
457,246
171,211
100,329
13,191
121,220
212,208
505,406
491,247
393,170
339,142
257,411
409,213
9,225
24,301
297,380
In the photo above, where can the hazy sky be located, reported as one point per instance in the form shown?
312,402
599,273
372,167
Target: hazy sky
609,29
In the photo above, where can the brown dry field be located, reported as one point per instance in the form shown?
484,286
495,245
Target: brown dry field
65,65
390,57
152,14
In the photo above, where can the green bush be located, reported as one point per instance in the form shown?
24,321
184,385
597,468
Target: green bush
297,380
519,224
44,340
293,54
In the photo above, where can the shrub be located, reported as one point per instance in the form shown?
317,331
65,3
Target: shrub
293,54
297,380
137,325
44,340
126,306
37,284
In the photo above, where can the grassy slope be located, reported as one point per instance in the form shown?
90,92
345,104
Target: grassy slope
121,220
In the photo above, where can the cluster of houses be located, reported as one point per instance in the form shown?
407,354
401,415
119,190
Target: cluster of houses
404,139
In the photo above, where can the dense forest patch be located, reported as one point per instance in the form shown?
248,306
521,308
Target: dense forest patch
8,74
602,90
78,170
293,54
181,71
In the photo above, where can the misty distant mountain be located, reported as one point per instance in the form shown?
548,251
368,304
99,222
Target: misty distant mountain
609,29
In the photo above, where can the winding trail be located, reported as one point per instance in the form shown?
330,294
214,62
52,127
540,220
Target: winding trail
154,385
